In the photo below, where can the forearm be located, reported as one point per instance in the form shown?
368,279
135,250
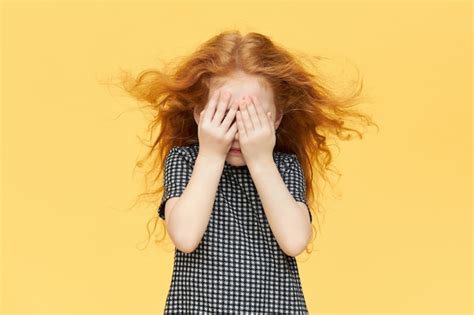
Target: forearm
191,213
289,224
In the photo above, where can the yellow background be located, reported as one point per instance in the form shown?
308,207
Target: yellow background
398,240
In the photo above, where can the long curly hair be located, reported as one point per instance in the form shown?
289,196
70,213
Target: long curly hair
313,113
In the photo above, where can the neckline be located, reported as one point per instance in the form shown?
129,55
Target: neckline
235,167
229,166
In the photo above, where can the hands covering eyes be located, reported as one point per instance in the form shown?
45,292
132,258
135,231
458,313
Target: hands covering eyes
219,123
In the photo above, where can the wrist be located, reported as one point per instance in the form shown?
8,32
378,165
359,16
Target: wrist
261,163
210,159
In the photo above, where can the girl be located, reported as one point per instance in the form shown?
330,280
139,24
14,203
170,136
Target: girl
241,121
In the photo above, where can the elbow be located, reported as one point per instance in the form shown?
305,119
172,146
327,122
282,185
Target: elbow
182,240
294,251
186,249
185,245
294,248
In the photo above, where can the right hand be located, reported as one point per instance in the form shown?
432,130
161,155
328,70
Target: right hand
215,138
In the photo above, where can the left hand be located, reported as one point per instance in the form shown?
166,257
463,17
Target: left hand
256,130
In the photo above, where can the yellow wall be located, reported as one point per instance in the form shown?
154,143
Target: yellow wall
397,241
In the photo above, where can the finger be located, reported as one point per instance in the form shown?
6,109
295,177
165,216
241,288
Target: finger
221,108
253,114
230,115
232,130
201,116
241,126
259,107
270,120
245,117
211,105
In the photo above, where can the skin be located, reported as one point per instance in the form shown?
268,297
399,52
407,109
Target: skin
242,85
253,132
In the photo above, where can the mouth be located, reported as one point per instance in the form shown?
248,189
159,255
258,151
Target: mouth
234,151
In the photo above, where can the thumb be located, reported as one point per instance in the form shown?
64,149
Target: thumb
269,116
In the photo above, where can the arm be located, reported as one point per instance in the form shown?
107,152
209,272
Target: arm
187,216
289,219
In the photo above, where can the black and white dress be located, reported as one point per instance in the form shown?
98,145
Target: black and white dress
238,267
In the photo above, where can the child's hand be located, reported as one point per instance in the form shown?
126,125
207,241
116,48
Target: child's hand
256,130
215,135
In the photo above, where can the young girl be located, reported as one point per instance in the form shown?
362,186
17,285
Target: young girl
241,123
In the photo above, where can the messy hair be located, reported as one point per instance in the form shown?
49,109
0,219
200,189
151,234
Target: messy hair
313,112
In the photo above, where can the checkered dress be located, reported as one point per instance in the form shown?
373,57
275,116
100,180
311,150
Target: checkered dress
238,267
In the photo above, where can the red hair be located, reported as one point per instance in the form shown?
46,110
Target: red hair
312,112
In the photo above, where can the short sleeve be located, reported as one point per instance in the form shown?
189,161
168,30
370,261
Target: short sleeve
177,173
294,179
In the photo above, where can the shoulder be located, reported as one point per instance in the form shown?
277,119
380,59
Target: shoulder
284,160
185,154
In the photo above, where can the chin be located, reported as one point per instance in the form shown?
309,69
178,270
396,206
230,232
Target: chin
236,160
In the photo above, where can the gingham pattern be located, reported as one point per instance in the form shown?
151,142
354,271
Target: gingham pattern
238,267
